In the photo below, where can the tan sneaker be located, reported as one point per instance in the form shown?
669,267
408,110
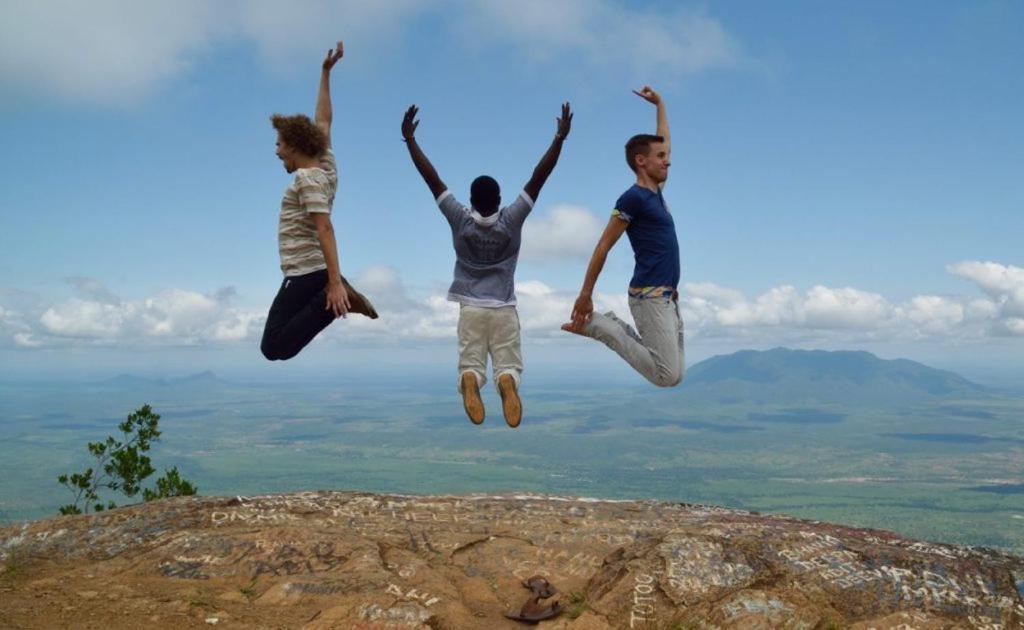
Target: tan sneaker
471,398
510,402
359,302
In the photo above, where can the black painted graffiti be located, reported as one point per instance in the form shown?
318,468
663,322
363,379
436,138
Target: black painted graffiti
184,570
291,561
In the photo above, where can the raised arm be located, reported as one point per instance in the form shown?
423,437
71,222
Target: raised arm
324,113
423,165
550,157
649,95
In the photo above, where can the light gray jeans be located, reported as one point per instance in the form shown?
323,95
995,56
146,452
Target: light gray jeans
493,331
655,348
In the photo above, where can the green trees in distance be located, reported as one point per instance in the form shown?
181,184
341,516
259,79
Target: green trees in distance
121,466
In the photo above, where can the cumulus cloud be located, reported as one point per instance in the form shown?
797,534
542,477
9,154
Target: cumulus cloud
116,52
779,315
845,308
785,312
567,233
542,310
15,330
285,35
1004,284
718,311
933,314
106,51
173,316
1004,287
92,289
676,41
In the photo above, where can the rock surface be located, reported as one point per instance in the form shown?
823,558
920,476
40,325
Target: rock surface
354,560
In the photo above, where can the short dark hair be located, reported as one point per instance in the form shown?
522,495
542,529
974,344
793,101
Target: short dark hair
639,144
299,132
484,194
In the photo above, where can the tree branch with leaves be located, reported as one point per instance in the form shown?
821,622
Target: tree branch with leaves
122,466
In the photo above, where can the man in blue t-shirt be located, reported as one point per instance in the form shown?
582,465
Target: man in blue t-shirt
655,348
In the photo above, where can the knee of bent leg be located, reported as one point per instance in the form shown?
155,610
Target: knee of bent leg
268,352
272,352
670,378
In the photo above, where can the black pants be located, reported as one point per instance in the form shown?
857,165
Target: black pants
297,315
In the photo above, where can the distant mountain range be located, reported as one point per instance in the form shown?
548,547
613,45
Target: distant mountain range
783,376
778,376
206,378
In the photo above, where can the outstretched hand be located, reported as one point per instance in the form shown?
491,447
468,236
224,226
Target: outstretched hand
648,94
409,123
333,55
565,122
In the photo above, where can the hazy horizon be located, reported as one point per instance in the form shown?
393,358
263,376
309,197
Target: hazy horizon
938,466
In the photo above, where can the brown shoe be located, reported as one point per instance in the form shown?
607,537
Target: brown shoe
471,398
360,303
510,402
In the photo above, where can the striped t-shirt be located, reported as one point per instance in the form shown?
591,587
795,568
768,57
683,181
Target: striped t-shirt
312,191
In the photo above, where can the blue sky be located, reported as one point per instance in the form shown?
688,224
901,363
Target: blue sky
843,176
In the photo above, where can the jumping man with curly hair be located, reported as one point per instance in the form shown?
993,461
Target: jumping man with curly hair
313,292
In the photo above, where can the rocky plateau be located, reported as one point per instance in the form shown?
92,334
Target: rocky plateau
355,560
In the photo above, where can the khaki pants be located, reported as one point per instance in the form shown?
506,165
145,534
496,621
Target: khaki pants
655,348
493,331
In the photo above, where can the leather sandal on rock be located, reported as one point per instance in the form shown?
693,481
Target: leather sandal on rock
533,611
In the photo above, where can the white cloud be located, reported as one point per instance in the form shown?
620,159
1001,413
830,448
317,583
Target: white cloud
86,319
401,316
567,233
933,314
286,34
542,310
845,308
117,52
13,327
819,308
106,51
780,315
92,289
606,34
784,312
993,278
1014,326
1004,284
173,316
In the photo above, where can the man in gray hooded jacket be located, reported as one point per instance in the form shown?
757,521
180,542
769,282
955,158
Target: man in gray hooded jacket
487,238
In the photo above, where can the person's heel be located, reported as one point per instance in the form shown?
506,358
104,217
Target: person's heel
510,403
471,398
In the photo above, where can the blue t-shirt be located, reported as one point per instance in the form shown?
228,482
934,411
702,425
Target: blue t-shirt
652,233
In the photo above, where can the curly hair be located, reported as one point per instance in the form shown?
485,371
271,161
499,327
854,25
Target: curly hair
299,132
